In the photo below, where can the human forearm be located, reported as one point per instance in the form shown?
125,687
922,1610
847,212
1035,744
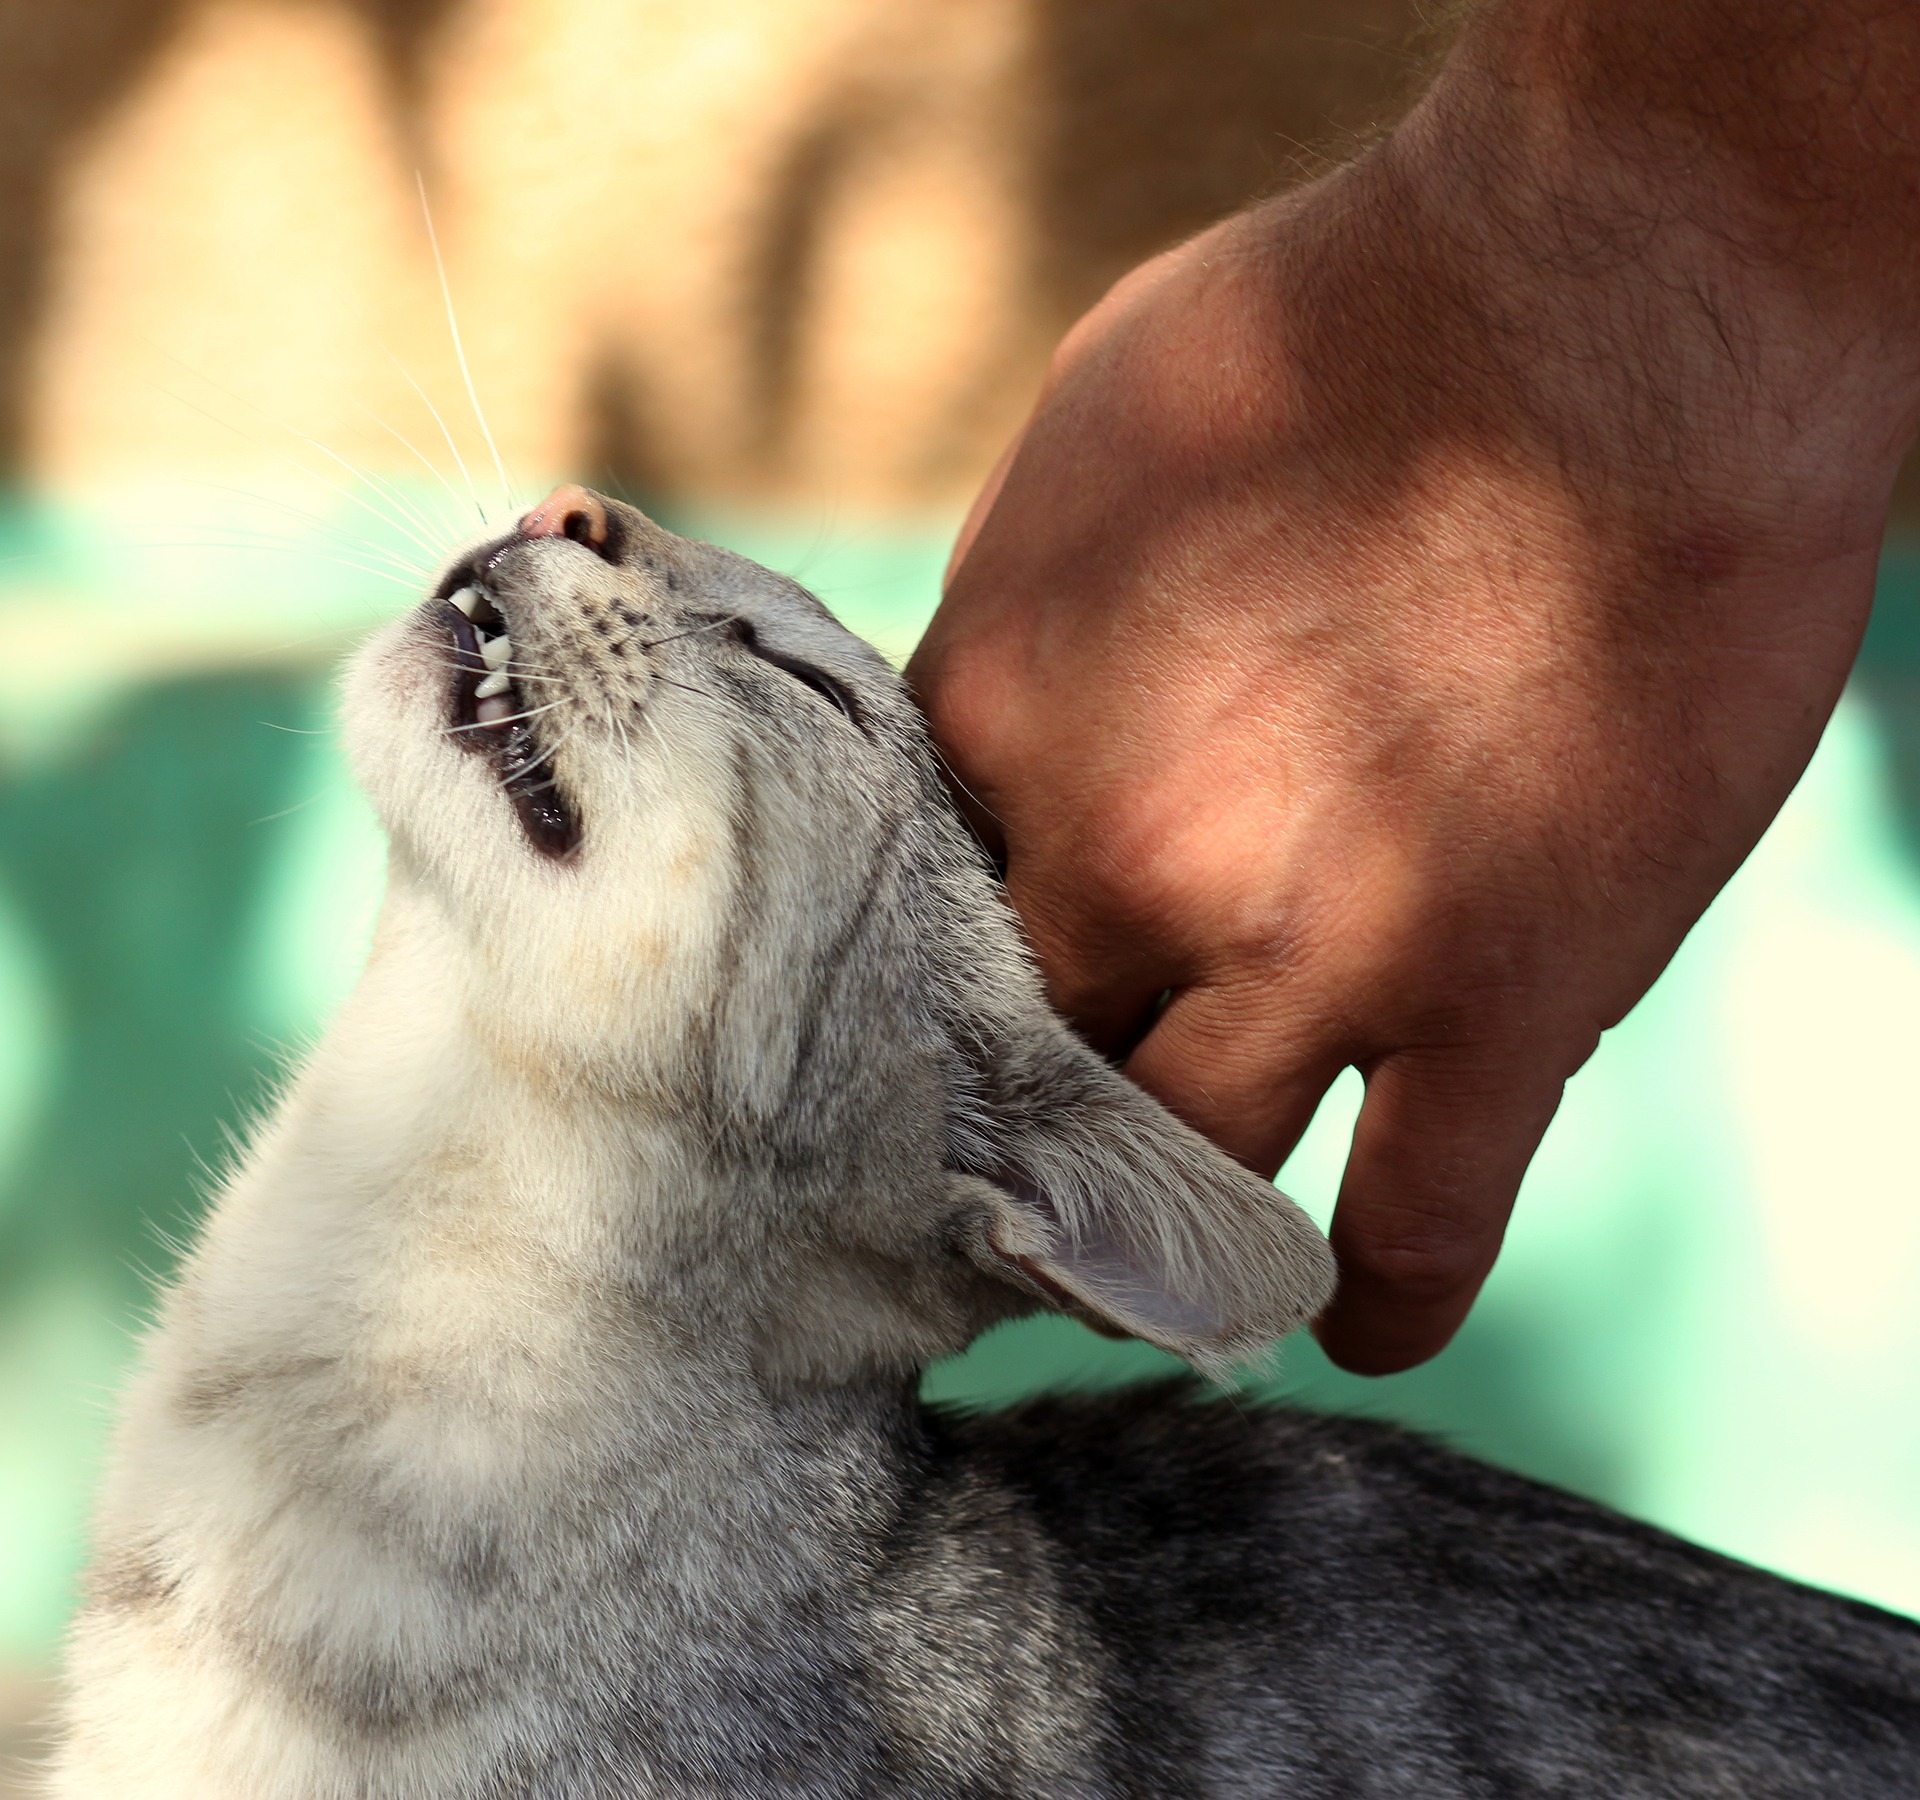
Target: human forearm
1671,242
1790,130
1736,186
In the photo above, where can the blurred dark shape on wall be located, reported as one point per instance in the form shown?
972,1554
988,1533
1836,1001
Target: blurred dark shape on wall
855,227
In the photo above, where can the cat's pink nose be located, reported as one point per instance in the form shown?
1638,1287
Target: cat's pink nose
570,512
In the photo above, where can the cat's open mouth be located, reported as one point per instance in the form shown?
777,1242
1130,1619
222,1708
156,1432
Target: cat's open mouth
493,718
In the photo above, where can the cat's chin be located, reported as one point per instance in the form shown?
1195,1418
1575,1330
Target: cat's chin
491,718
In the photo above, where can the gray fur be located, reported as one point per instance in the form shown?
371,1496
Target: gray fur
537,1419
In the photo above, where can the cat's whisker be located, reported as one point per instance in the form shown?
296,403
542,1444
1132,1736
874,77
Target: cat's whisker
407,515
517,672
407,582
407,443
459,461
544,754
241,537
287,812
413,509
460,349
387,568
531,712
328,527
953,775
626,740
692,631
653,725
312,474
405,506
367,506
527,712
717,699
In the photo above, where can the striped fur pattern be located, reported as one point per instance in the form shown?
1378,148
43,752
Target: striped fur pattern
536,1420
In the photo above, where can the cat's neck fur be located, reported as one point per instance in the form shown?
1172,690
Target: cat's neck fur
430,1203
448,1411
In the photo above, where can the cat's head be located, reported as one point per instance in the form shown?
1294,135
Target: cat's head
677,839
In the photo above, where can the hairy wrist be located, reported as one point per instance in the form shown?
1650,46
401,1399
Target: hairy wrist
1712,210
1789,132
1521,277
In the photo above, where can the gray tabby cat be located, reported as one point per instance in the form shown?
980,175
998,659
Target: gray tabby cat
537,1415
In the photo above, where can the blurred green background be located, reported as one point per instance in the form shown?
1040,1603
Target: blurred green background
1704,1314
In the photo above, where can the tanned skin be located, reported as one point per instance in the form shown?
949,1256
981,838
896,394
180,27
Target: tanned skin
1411,599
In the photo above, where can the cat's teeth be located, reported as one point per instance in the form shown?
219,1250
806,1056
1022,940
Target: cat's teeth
466,599
495,651
496,709
496,683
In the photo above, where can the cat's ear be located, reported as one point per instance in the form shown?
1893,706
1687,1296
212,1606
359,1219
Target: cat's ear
1105,1205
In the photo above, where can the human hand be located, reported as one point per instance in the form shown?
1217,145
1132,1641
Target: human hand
1406,607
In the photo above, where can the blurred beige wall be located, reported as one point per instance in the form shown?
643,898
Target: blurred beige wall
760,250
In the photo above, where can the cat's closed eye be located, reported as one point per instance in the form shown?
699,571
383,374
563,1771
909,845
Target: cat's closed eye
821,683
